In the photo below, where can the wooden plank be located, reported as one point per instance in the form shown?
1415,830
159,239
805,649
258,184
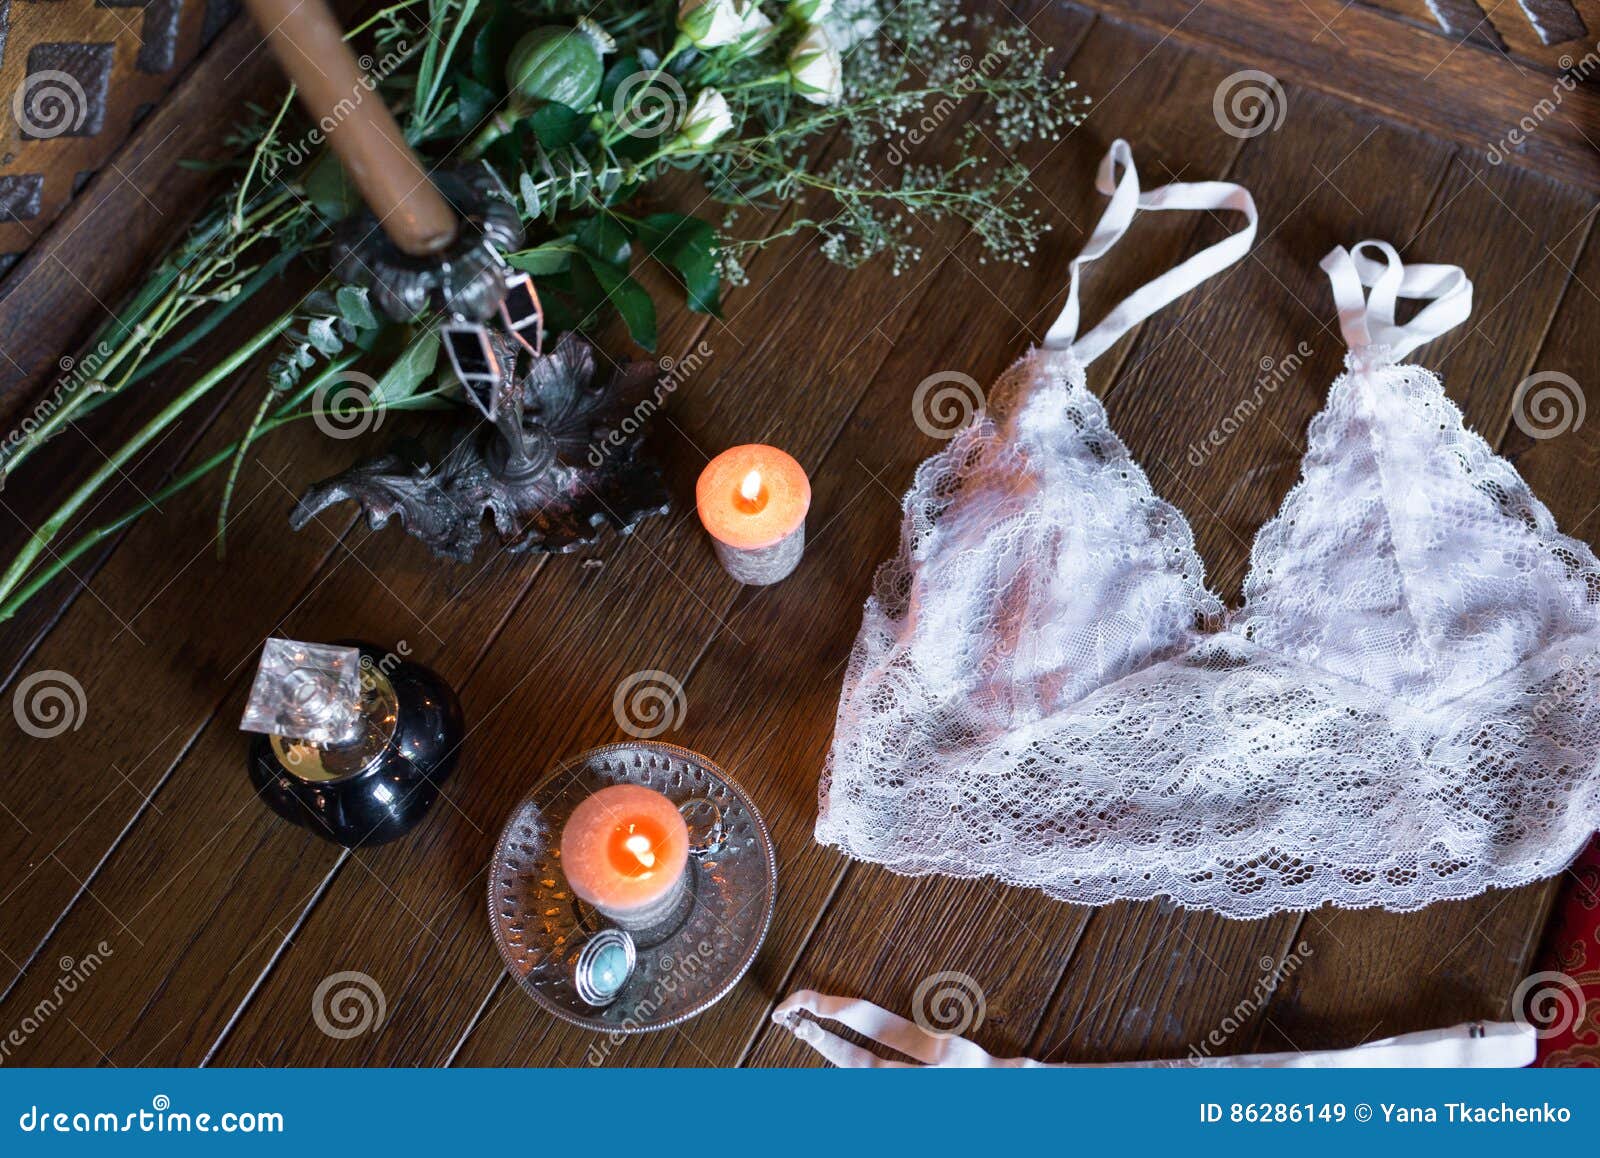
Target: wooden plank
1148,982
1549,44
1373,974
1465,93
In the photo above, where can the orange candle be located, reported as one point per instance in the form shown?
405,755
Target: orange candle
753,501
625,850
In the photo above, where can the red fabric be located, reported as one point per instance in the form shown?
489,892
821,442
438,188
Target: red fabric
1563,999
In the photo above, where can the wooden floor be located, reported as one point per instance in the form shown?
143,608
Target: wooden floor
137,836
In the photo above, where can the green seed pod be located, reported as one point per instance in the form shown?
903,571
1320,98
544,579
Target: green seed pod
555,64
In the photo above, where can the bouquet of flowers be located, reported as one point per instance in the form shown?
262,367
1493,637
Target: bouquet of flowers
578,111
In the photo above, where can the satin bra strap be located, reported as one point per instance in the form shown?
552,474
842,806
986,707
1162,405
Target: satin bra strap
1126,200
1367,320
1475,1044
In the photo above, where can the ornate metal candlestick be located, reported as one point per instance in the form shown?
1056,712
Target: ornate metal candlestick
560,457
552,467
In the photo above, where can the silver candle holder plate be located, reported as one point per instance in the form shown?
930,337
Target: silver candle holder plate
541,928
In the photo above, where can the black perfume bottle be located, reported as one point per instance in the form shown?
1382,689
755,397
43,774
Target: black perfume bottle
352,742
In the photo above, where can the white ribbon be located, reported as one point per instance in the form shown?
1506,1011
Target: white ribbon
1126,201
1368,321
1474,1045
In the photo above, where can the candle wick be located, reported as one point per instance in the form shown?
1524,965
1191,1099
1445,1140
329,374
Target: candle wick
640,847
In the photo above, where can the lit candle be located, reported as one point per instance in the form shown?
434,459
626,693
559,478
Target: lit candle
625,850
753,501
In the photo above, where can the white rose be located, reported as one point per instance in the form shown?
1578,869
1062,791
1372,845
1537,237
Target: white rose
814,68
809,11
709,119
756,31
710,23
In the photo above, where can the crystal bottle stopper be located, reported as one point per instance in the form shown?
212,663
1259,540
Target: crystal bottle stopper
306,691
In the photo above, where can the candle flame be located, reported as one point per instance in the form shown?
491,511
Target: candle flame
639,845
750,488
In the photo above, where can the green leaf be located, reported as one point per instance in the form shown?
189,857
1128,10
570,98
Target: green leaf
492,47
556,125
689,246
354,307
544,260
529,188
603,236
473,103
621,69
410,370
323,336
631,300
330,190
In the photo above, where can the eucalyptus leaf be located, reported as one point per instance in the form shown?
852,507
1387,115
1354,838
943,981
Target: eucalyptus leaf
323,337
532,203
355,308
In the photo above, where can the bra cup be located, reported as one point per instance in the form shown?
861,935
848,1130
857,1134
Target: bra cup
1410,558
1036,566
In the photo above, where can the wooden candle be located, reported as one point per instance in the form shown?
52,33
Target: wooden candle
625,850
753,501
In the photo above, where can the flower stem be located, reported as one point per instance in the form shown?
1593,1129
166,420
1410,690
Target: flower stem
39,542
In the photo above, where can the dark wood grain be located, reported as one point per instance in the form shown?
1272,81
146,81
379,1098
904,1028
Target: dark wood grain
223,920
1464,92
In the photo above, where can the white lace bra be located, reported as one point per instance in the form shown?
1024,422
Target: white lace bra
1044,690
